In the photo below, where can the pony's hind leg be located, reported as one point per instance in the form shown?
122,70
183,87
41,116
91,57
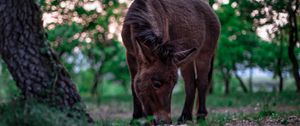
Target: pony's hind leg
190,89
204,71
137,107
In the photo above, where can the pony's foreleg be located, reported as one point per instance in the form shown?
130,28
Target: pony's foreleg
137,107
203,83
188,75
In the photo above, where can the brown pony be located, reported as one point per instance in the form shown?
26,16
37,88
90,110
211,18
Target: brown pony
162,36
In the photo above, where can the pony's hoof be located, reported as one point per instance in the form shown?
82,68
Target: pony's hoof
140,122
135,122
201,117
184,120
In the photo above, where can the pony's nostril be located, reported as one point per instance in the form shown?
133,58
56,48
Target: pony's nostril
161,121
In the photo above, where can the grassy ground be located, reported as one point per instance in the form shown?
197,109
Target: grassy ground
235,109
238,109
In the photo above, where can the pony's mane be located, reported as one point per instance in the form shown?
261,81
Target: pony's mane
140,17
144,21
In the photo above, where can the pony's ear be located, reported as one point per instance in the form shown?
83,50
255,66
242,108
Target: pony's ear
181,57
144,52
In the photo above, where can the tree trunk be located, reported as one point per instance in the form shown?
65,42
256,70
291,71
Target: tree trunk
97,79
226,85
280,82
250,79
279,65
243,86
33,65
293,39
226,78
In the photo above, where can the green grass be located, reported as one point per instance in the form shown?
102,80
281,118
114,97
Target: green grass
250,99
220,100
34,114
217,119
31,113
267,102
222,119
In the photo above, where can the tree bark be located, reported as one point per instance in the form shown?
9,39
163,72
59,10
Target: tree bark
97,79
226,85
97,71
293,39
280,82
33,65
226,78
243,86
251,78
279,65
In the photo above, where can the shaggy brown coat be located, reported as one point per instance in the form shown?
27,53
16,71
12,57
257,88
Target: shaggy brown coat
162,36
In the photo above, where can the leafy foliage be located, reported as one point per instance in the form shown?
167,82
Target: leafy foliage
30,113
85,35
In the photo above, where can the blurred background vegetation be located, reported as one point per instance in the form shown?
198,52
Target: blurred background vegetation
252,54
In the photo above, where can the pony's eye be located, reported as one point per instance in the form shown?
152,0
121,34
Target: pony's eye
157,84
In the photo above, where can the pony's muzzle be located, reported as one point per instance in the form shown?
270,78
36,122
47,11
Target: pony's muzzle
162,117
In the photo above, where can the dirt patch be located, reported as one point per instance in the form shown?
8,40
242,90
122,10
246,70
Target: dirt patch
231,111
242,123
250,110
290,121
110,112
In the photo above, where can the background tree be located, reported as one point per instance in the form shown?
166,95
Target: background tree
272,13
236,46
90,41
292,9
